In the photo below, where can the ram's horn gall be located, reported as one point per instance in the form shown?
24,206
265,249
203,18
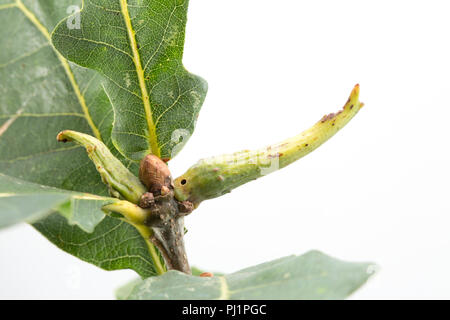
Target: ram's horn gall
213,177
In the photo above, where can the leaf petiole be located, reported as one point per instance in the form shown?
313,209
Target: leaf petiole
136,216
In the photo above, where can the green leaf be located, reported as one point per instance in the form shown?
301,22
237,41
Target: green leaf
42,95
124,291
113,245
313,275
25,201
138,46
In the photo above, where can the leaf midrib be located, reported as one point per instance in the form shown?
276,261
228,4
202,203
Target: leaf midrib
141,77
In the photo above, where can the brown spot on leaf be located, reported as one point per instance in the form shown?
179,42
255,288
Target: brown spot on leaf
206,274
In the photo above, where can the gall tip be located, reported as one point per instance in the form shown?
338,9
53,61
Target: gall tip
61,137
355,91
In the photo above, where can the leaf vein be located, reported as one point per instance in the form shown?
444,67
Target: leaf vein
141,77
64,63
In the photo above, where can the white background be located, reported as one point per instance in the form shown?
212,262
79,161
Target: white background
378,191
